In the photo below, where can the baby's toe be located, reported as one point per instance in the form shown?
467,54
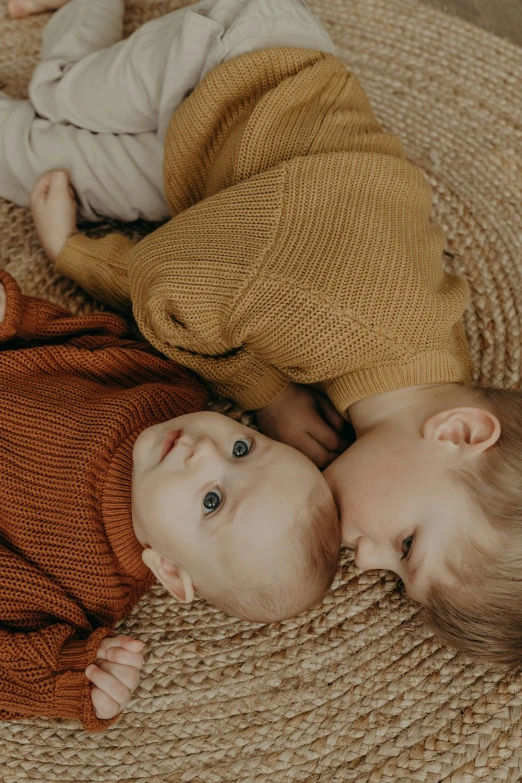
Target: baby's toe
20,8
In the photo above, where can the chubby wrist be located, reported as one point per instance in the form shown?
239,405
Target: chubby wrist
278,399
53,250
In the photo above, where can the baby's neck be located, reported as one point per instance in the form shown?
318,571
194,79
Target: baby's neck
416,402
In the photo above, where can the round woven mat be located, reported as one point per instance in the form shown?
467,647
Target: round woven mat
357,690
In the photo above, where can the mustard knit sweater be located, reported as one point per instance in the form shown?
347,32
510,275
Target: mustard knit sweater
75,393
299,249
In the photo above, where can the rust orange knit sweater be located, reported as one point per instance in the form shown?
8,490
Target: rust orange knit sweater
75,393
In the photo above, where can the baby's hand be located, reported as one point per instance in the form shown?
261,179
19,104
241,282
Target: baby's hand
115,675
3,300
305,419
53,207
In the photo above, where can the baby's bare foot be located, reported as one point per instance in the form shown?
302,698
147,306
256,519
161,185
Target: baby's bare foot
19,8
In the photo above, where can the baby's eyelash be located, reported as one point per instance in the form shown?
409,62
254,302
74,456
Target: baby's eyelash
208,501
406,553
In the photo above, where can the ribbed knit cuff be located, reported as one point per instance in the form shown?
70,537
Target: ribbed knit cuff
73,701
99,266
72,688
79,653
424,369
22,314
255,389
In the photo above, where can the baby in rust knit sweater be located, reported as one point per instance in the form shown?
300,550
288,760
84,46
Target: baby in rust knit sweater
298,273
110,478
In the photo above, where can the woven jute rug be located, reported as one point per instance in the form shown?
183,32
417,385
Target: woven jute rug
357,690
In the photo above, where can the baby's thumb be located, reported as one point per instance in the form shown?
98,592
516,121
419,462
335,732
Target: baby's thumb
41,188
59,183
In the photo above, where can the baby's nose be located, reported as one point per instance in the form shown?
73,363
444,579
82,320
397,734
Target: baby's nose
205,447
366,555
349,535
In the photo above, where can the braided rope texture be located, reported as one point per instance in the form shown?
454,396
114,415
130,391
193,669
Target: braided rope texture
358,689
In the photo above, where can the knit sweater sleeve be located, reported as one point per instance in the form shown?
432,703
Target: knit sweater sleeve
100,266
183,293
43,675
42,672
29,319
188,278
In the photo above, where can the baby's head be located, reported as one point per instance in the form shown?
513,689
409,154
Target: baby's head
483,615
248,523
438,500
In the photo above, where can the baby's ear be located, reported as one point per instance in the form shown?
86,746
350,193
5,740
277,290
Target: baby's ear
471,429
174,578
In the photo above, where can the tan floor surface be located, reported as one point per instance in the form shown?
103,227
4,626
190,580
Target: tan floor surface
502,17
358,689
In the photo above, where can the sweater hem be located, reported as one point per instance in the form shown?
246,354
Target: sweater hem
432,367
73,701
90,263
274,384
72,695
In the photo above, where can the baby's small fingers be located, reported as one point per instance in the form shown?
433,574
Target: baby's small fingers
120,655
127,642
130,644
127,675
317,452
330,414
107,683
324,434
104,706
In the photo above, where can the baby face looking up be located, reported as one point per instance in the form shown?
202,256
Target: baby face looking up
248,522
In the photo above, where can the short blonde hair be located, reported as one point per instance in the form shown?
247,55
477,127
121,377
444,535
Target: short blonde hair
484,616
308,559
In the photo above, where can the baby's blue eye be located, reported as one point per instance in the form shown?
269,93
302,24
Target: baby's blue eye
241,447
212,500
407,546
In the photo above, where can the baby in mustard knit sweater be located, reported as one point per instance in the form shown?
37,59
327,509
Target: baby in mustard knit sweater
299,273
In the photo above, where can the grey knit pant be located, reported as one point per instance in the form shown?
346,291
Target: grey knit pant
99,106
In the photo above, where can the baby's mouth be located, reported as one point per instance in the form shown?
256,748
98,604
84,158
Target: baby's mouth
169,442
